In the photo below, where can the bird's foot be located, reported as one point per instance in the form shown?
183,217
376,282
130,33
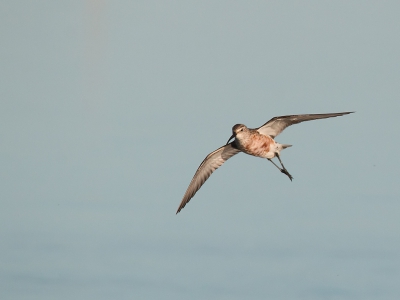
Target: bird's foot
284,171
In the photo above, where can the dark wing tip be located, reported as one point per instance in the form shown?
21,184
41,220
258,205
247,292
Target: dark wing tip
182,205
345,113
179,209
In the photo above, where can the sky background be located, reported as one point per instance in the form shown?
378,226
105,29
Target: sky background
107,108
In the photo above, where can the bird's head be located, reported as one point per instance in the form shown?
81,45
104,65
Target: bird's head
237,131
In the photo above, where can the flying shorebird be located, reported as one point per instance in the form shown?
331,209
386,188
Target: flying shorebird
257,142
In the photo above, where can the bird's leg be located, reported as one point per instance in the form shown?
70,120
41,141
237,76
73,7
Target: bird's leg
277,155
275,164
283,170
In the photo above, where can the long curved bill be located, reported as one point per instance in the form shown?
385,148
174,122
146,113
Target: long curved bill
233,135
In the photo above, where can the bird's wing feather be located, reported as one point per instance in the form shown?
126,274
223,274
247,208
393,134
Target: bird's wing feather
276,125
212,162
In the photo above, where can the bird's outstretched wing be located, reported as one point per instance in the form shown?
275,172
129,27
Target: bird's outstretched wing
212,162
276,125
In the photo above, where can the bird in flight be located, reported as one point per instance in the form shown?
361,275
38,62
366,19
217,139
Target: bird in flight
257,142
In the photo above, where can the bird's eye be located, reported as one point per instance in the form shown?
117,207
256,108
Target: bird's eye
241,129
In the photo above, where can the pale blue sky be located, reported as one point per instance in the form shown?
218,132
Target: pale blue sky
108,107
